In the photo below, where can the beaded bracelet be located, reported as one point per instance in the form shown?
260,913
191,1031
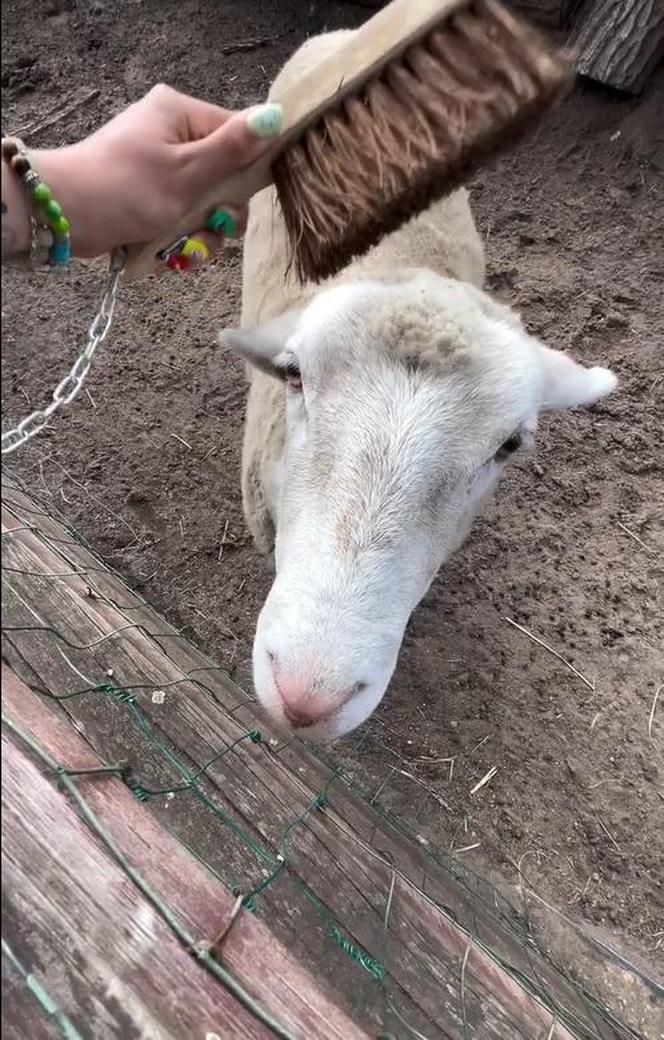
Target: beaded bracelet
51,241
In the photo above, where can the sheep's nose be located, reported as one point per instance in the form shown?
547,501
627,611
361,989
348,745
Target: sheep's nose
299,718
303,705
305,700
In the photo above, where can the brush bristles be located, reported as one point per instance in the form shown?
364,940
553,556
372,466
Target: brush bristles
412,135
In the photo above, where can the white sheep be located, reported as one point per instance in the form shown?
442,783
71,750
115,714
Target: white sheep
382,410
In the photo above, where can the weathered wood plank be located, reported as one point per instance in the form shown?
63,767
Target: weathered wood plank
134,658
203,905
66,908
348,855
619,42
331,868
273,800
21,1014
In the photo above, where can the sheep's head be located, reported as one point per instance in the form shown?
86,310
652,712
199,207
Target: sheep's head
405,402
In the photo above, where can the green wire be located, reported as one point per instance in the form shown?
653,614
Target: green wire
42,996
474,887
187,940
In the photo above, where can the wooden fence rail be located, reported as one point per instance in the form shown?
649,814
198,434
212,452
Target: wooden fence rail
215,879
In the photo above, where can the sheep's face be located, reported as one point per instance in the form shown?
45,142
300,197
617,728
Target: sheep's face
405,402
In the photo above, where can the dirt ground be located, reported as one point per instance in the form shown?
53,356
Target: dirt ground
146,464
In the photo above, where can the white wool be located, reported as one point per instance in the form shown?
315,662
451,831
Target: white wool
412,380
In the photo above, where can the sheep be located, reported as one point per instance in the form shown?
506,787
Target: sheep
383,407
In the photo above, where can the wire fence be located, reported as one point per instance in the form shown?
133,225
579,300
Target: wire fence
291,834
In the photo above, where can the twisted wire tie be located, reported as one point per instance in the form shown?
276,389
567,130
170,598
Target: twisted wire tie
357,954
137,790
114,691
247,901
214,947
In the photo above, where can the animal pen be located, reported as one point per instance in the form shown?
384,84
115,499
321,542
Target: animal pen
174,869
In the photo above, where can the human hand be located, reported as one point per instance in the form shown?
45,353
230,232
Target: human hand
139,175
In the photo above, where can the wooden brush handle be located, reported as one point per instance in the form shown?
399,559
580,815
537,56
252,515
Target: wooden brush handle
370,48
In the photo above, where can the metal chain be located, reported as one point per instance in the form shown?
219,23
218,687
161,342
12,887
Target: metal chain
66,390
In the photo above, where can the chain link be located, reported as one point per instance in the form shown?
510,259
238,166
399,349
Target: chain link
66,390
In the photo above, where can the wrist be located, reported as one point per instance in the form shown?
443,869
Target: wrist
16,214
57,171
36,224
79,180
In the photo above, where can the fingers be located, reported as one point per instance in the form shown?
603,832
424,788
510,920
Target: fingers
211,245
237,142
215,241
203,119
203,245
188,118
210,144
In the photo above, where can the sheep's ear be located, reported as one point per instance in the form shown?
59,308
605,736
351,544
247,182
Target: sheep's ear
262,345
567,384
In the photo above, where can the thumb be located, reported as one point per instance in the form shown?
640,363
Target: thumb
238,142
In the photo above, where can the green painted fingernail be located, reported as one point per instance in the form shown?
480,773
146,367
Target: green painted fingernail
220,221
266,120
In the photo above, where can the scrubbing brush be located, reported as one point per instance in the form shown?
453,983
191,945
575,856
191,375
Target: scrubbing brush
395,119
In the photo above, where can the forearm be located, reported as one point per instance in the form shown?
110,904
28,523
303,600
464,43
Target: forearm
16,231
132,181
95,196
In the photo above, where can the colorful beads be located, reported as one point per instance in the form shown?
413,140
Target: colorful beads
180,255
42,194
56,224
195,248
177,262
52,210
60,252
21,165
60,226
10,148
220,221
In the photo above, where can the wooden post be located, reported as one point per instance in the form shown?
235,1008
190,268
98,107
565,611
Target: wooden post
619,42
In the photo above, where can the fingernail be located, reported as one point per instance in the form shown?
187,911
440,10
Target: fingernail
266,120
221,222
195,249
177,263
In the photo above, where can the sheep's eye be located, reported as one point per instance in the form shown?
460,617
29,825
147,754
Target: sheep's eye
508,447
293,377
